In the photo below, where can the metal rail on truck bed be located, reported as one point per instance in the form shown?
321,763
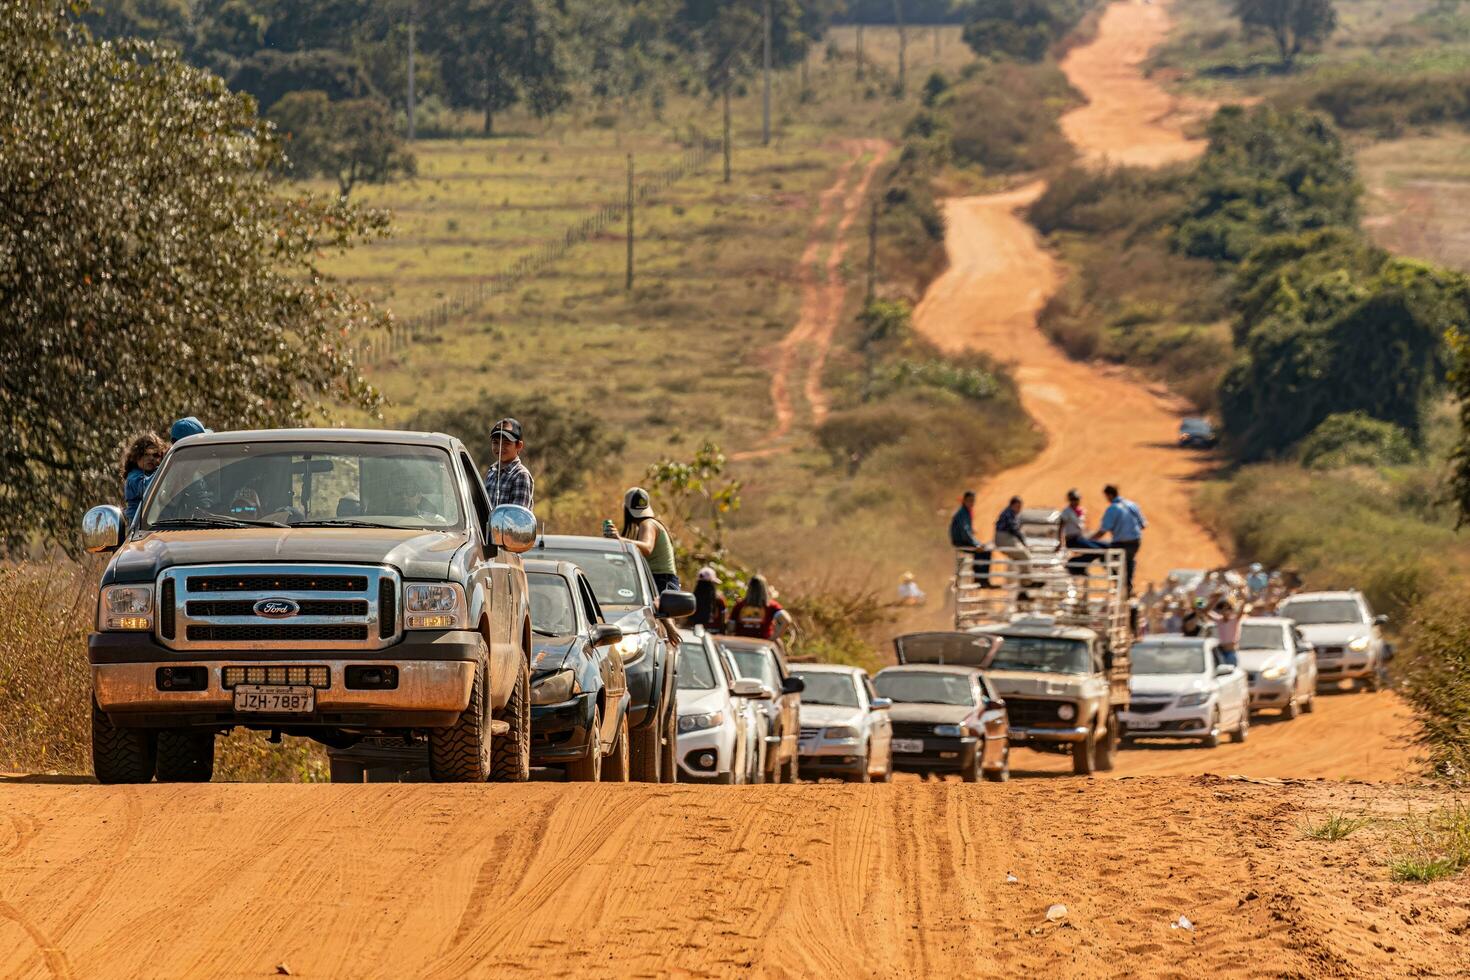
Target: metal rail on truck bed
1043,585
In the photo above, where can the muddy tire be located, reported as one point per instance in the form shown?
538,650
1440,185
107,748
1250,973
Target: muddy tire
1292,710
648,752
461,753
669,749
1212,740
615,763
1243,730
121,755
185,757
588,769
1084,757
1107,746
866,776
510,755
1310,704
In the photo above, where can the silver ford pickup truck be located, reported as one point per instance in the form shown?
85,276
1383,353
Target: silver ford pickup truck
330,583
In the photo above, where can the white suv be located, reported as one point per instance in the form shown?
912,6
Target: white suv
1348,637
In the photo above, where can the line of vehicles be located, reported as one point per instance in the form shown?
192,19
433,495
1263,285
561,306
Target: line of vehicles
357,588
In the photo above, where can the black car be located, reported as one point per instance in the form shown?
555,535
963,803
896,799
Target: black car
1197,434
624,589
579,689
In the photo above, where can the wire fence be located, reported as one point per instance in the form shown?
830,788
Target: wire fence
405,332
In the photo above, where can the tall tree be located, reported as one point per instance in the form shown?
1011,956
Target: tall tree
495,54
352,141
147,267
1293,24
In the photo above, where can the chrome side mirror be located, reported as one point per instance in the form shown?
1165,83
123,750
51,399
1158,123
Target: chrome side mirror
513,528
606,634
749,687
882,704
103,529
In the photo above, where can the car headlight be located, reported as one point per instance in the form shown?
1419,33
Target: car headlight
1359,645
1197,698
950,731
698,723
1273,673
630,647
554,688
440,606
126,607
1066,712
838,732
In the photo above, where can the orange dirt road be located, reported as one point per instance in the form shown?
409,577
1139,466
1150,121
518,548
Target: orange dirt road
1102,425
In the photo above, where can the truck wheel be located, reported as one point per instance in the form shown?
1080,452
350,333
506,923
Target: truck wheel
866,776
510,755
1084,756
1107,745
121,755
1292,709
588,769
1243,730
669,749
185,757
648,752
615,763
461,754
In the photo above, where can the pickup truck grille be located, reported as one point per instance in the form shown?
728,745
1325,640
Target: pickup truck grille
296,607
1028,713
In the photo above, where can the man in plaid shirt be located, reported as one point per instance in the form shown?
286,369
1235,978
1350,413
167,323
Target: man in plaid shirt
507,481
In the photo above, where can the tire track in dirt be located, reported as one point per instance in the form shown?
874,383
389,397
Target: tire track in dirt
806,345
1102,425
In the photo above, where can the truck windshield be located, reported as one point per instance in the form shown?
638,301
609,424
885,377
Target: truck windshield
1043,653
1320,612
552,612
823,687
317,483
924,687
612,575
1260,636
1151,658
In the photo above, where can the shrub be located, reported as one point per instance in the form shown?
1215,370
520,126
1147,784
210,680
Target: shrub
1355,439
1435,672
1005,118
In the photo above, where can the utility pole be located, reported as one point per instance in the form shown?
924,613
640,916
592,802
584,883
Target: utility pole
860,51
726,96
902,43
766,76
628,284
412,16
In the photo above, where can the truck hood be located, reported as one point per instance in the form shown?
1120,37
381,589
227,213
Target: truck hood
1168,683
416,554
1031,683
551,652
1256,661
1334,634
822,715
934,714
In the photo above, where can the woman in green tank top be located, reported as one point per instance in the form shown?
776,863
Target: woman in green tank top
651,537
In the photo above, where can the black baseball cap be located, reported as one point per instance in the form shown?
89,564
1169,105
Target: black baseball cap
509,427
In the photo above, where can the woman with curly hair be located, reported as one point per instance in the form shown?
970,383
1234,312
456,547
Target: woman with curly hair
138,463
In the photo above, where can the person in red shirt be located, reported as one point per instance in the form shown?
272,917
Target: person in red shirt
758,614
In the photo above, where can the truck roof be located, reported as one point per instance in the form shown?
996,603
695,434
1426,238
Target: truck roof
1044,630
397,437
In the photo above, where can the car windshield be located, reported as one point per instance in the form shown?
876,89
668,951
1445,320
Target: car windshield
1155,658
696,670
551,604
924,687
759,665
1043,653
612,574
1195,427
306,483
1261,636
1318,612
823,687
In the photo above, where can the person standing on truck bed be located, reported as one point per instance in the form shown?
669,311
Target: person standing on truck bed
962,537
1123,522
507,481
650,536
1074,533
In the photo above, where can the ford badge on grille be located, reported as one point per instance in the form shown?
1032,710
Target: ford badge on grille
276,608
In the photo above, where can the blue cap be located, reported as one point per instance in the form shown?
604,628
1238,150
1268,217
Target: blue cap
185,427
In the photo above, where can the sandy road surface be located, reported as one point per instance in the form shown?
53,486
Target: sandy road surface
871,881
1101,425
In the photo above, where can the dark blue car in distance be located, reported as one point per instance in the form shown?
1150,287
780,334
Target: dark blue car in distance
1197,433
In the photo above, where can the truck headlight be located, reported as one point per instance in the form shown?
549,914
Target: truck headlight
698,723
1066,712
554,688
1359,645
1195,699
840,733
1273,673
126,607
950,731
440,606
630,647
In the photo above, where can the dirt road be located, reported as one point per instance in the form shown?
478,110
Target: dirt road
873,881
1101,425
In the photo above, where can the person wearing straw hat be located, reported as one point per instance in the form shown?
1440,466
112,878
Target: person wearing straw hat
909,593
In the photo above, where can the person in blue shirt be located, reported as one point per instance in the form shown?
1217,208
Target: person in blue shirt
1123,522
962,537
139,462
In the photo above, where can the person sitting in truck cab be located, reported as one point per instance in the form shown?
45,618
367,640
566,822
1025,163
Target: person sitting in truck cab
138,465
507,481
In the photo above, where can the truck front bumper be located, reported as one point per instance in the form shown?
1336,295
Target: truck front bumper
939,755
1026,736
436,673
